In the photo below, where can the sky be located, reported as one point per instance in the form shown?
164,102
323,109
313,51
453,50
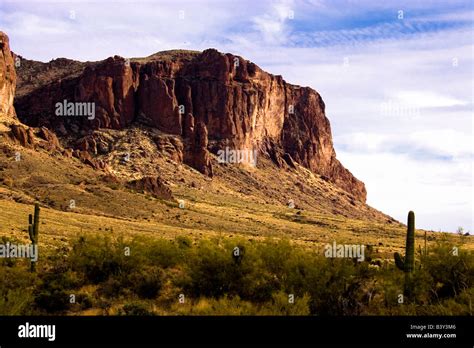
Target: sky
396,76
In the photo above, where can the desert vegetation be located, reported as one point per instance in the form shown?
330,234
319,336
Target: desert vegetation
107,275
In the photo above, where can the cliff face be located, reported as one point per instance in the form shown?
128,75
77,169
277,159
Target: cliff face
211,100
7,77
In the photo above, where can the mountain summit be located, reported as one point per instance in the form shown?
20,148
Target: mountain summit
209,100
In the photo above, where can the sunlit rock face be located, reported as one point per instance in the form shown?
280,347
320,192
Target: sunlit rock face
7,77
209,99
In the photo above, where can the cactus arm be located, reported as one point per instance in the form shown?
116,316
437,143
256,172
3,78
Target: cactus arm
30,232
399,262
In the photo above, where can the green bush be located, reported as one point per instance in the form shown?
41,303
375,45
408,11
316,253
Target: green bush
450,274
53,293
85,301
111,288
16,290
212,271
216,282
147,283
135,309
99,258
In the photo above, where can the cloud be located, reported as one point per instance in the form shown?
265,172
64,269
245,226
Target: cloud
272,27
397,183
425,99
442,144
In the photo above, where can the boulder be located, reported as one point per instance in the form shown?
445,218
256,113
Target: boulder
151,185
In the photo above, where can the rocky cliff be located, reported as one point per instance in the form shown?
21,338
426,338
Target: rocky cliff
210,100
7,77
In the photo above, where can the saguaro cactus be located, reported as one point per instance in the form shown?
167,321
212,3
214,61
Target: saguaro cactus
33,231
407,263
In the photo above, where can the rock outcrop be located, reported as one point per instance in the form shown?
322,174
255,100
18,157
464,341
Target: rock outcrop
151,185
7,78
211,100
51,140
197,155
22,135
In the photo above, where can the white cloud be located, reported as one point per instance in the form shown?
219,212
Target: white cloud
444,144
272,25
427,99
397,183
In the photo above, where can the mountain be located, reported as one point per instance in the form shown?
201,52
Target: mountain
225,101
158,128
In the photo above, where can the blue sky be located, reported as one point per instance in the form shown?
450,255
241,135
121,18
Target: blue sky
397,85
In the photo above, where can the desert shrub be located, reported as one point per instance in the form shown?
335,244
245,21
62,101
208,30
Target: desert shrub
183,242
10,261
147,283
280,305
275,256
227,305
160,252
84,300
111,288
258,286
98,258
422,283
334,286
135,309
213,272
16,291
450,274
276,266
257,283
212,306
441,285
53,293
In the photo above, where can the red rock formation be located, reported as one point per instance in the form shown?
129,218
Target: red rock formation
7,77
171,147
151,185
197,155
51,140
158,103
86,158
111,86
212,100
23,135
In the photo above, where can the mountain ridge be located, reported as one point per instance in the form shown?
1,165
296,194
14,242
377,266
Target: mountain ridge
227,102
